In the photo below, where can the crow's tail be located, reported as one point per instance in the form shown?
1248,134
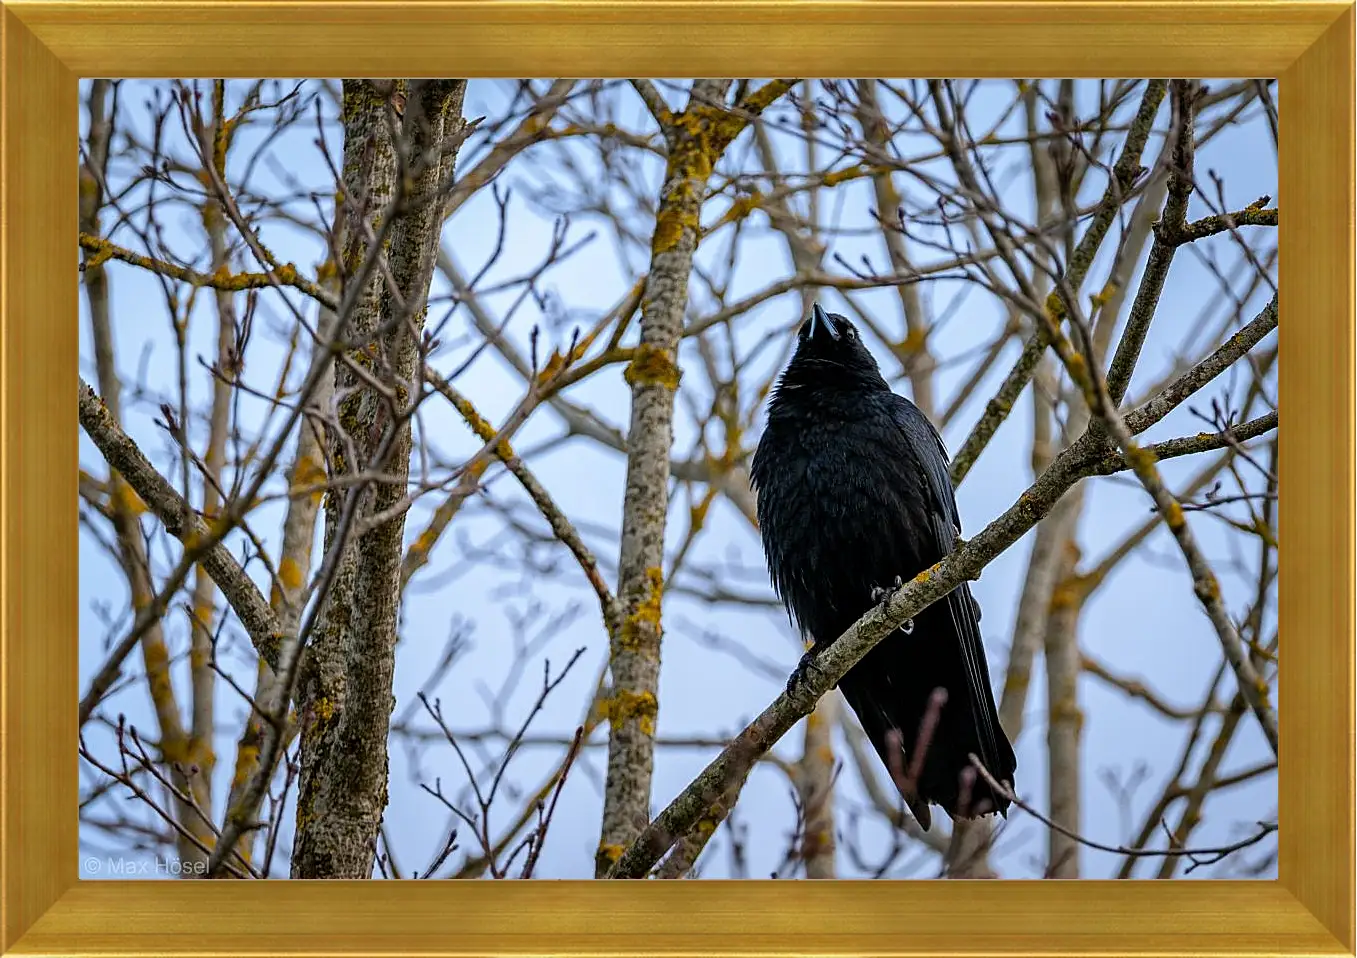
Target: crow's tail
893,691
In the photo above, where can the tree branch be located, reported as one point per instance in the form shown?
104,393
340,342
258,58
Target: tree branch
181,521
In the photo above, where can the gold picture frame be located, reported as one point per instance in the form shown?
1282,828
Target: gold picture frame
49,44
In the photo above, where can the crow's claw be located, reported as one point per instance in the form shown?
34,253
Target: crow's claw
802,673
882,593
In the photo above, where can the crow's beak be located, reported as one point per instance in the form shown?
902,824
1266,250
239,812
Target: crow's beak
819,319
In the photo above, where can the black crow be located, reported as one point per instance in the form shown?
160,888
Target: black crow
854,496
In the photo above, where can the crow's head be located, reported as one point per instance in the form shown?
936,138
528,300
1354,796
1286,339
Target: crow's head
829,350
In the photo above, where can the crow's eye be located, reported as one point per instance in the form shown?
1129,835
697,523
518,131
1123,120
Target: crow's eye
852,332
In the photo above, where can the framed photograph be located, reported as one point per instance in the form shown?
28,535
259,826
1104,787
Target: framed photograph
822,462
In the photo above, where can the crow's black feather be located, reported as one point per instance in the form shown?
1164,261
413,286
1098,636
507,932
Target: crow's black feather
854,492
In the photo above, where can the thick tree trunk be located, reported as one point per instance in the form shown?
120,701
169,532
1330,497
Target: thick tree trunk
346,698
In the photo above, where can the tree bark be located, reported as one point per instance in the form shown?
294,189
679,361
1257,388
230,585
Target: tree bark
346,698
1065,720
815,786
696,138
286,597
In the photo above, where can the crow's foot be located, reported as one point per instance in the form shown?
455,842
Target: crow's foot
804,671
880,594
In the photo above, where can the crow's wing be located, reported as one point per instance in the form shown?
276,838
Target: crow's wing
931,454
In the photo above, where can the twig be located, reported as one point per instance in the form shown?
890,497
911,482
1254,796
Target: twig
1198,855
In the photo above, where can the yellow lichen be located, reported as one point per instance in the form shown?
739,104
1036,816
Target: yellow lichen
247,757
697,514
425,542
304,816
690,165
555,362
1140,459
126,500
1055,309
173,749
309,473
913,341
290,574
326,270
1067,712
651,366
1064,596
100,256
624,705
644,620
155,656
1099,299
211,215
742,206
325,709
322,711
850,173
764,96
1173,515
669,227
